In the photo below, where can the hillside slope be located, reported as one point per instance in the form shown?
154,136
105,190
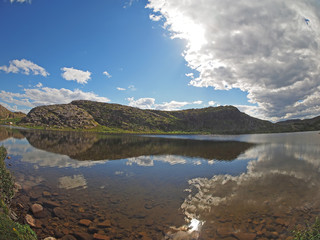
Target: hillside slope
84,114
6,114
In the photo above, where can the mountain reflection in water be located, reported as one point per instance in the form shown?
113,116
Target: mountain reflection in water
90,146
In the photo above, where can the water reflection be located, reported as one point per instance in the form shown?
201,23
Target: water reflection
283,182
70,182
89,146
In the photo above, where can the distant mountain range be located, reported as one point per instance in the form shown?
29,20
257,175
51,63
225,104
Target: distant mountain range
97,116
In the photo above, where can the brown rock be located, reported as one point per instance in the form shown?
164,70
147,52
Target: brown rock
105,224
68,237
46,194
8,157
59,212
245,236
36,208
30,220
82,236
51,204
224,232
98,236
85,222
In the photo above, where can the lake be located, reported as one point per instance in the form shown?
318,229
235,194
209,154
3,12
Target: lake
258,186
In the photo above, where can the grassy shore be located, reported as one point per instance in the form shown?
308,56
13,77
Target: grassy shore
10,229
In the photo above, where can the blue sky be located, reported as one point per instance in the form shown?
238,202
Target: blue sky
159,54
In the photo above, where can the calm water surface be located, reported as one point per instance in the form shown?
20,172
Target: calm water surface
167,187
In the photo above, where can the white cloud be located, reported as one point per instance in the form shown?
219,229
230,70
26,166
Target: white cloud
25,67
107,74
144,103
262,47
149,103
39,85
21,1
155,18
212,103
71,74
45,96
197,102
171,106
121,89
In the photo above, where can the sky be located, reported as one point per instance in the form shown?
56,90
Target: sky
260,56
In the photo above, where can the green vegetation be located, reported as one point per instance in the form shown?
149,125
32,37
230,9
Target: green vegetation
8,228
311,232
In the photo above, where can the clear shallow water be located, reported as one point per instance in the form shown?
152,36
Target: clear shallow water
154,187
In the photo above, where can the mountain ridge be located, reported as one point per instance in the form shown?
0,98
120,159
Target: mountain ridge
110,117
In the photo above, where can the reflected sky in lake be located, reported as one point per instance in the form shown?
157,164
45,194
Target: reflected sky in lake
214,182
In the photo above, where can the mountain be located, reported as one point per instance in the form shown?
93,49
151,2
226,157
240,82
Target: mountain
296,125
6,114
83,114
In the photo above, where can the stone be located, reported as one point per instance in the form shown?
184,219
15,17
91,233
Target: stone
50,204
58,233
98,236
36,208
50,238
85,222
46,194
92,229
104,224
68,237
82,236
245,236
59,212
224,232
30,220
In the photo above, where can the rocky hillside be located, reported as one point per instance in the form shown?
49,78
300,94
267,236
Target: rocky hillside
6,114
84,114
59,116
224,119
88,114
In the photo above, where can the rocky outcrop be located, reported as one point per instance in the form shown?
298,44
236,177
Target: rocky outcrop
60,116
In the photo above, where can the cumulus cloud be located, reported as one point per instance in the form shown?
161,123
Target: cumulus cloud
197,102
107,74
265,48
25,67
45,96
71,74
39,85
121,89
155,18
150,103
144,103
212,103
